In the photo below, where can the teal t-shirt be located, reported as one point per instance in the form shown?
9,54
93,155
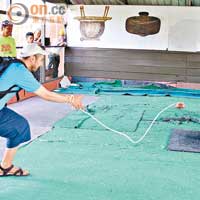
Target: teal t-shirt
17,74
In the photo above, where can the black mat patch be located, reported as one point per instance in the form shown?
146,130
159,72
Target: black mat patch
184,140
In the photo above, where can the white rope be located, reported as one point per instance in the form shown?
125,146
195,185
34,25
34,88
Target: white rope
124,134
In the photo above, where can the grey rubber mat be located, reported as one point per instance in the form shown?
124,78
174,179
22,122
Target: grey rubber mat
184,140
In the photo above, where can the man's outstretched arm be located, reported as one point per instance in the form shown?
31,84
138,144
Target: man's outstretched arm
74,100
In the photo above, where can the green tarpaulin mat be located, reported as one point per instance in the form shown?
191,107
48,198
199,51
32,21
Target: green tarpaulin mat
94,164
120,113
116,87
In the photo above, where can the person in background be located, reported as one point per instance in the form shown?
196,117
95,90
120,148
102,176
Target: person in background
7,42
38,40
54,56
30,40
38,36
29,37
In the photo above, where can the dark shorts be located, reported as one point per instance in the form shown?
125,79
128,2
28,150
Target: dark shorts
14,127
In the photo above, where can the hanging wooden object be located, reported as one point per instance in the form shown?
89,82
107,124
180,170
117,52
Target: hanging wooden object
92,27
143,24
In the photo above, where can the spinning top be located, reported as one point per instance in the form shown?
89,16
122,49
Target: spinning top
180,105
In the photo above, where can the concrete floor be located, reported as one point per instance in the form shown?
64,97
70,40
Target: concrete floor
42,114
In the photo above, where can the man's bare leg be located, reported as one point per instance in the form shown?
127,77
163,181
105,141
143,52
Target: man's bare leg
8,157
7,160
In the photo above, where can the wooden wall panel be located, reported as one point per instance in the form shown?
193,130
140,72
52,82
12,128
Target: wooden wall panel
133,64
